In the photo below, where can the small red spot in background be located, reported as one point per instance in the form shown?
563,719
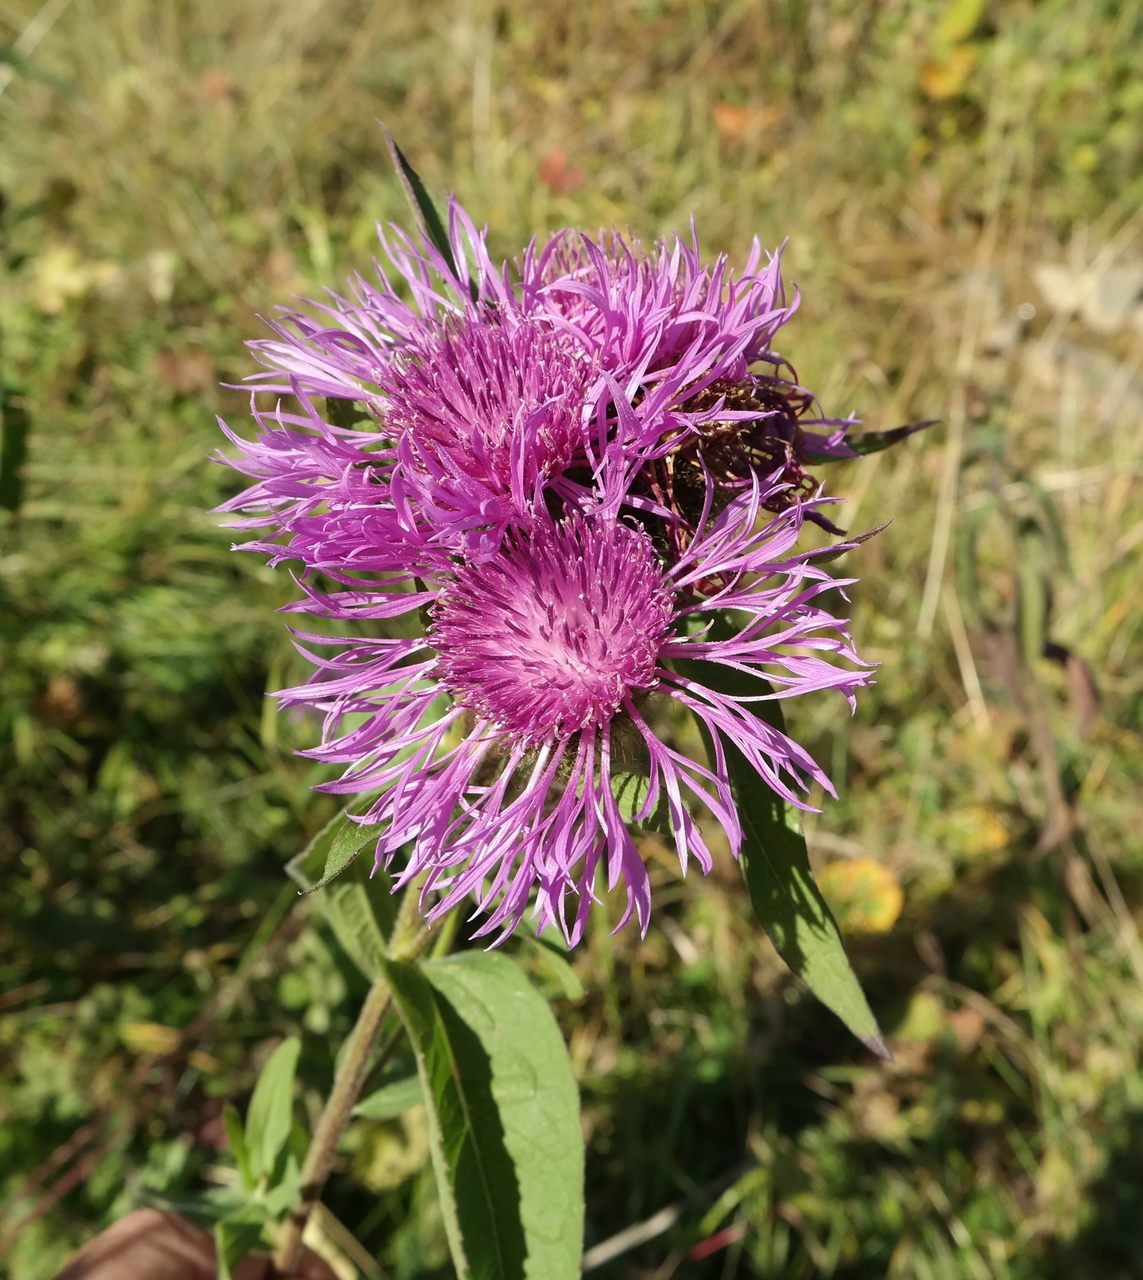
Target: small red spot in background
720,1240
737,125
557,174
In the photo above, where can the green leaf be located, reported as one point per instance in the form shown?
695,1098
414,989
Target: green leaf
345,841
868,442
425,208
785,897
503,1116
1046,515
631,781
288,1191
234,1237
959,20
357,907
790,906
1033,593
391,1100
968,582
232,1123
341,412
13,451
360,912
272,1108
630,792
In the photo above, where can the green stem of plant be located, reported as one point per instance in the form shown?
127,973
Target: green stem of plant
406,941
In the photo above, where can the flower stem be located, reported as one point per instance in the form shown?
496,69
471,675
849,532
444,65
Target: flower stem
406,941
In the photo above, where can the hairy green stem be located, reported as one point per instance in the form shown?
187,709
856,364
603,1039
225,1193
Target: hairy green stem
406,941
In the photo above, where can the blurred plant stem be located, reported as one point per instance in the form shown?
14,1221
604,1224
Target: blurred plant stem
407,940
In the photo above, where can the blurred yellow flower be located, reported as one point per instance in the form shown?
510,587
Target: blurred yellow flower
864,895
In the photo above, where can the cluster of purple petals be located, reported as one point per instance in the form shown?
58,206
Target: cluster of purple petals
666,325
487,413
467,450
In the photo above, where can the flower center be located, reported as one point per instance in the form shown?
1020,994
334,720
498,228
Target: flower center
488,408
556,630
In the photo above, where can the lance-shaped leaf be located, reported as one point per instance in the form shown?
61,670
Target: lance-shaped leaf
271,1111
357,906
234,1237
554,971
785,897
391,1100
790,906
503,1115
423,205
866,442
235,1135
330,852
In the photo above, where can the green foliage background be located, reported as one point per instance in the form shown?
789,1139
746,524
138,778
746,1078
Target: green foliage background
169,172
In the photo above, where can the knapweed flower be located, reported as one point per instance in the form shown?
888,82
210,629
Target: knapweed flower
446,418
493,742
698,340
471,396
578,484
487,414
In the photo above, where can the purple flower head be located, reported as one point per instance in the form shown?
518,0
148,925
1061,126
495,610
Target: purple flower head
698,340
481,419
590,478
457,413
473,400
495,743
486,413
648,314
556,632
